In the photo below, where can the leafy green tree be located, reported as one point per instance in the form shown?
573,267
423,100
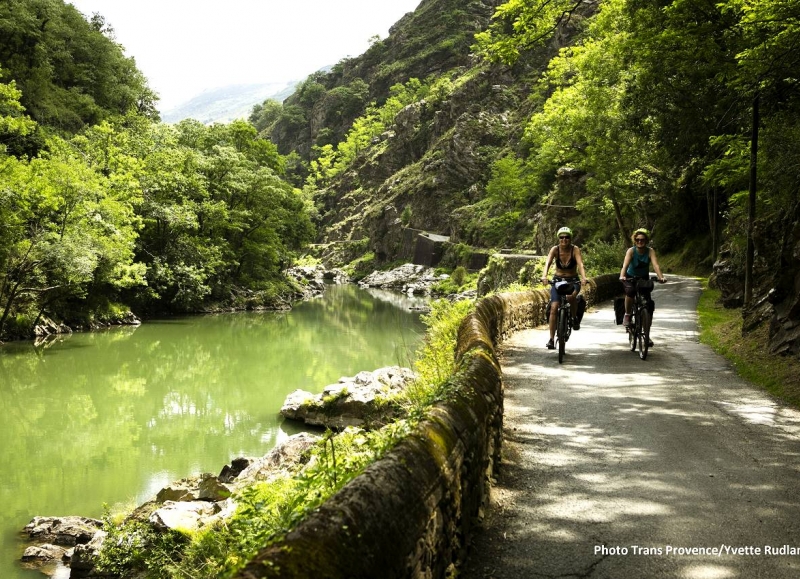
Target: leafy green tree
71,72
69,232
264,116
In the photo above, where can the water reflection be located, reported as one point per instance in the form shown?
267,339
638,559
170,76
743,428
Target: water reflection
112,416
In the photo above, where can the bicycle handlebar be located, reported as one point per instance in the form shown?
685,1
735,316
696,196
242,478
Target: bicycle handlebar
650,277
566,279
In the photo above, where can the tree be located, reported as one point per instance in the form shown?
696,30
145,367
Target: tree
70,73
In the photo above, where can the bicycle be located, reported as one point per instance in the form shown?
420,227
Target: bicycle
641,316
564,287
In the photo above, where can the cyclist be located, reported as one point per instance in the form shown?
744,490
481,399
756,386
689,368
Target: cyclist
568,261
637,264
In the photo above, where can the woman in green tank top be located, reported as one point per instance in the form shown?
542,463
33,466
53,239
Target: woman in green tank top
637,264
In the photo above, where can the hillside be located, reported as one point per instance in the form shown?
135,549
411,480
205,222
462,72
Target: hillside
228,103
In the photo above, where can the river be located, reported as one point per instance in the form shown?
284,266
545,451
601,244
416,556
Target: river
110,417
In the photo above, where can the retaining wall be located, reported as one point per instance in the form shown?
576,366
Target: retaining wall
410,514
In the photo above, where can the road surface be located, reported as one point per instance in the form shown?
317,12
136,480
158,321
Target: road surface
614,467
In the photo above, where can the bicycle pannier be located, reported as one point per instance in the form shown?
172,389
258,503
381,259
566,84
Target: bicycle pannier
581,306
564,288
619,309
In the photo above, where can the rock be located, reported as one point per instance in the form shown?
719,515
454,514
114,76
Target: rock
205,487
312,278
182,490
355,401
183,515
43,553
211,489
278,460
729,280
69,531
83,557
409,278
231,471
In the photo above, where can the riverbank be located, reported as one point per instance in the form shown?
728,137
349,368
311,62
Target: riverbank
112,417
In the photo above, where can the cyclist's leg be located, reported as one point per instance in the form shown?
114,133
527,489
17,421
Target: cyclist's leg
649,318
573,308
552,313
630,294
552,321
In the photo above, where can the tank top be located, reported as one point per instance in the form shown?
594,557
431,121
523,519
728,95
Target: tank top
571,264
639,265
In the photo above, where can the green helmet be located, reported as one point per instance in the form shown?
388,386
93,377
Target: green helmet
642,230
566,230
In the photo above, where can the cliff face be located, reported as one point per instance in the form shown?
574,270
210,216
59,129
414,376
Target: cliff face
435,38
431,166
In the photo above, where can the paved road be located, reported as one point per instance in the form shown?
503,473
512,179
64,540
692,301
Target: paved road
607,453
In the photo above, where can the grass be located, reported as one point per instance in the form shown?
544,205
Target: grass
721,329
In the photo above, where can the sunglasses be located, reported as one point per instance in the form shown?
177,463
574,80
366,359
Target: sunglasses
638,239
564,237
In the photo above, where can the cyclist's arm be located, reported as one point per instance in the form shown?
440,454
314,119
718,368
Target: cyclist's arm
625,263
547,264
579,260
657,269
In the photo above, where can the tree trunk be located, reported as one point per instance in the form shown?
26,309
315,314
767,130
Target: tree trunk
618,215
751,209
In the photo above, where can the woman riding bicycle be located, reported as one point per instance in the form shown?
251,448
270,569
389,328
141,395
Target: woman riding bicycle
568,261
637,264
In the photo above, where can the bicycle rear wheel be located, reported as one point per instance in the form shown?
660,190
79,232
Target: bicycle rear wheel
562,334
644,334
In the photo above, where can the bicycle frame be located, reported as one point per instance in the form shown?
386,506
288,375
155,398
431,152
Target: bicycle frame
639,327
563,317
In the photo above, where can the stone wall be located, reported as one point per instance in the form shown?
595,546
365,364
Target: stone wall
410,514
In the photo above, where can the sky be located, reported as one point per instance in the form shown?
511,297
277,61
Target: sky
187,47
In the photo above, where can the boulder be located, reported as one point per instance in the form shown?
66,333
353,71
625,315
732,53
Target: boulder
353,401
82,558
183,515
44,553
205,487
279,460
68,531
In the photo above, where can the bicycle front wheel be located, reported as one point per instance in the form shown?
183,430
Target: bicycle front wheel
562,334
644,334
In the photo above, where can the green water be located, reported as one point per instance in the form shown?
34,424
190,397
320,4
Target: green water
111,417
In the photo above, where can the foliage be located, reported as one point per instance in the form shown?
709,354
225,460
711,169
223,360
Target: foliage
163,218
600,257
71,71
332,160
435,361
652,104
136,545
519,26
458,281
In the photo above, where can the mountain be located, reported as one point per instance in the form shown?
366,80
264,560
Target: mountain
227,103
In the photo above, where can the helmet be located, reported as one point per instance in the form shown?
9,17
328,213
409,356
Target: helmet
642,230
566,230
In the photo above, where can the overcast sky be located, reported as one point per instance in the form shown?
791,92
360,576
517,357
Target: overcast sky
186,47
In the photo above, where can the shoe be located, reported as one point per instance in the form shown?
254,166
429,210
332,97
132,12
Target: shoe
550,345
626,320
649,343
576,324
